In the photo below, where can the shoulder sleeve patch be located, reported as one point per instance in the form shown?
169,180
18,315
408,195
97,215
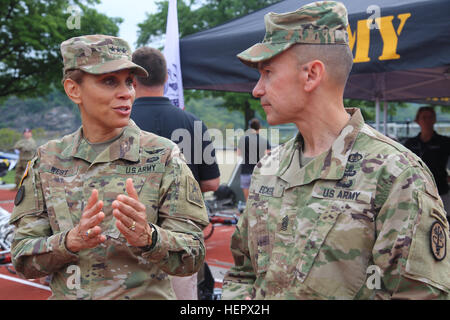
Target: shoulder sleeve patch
438,241
428,260
28,200
19,195
194,194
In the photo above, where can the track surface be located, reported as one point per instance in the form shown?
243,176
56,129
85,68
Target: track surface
12,287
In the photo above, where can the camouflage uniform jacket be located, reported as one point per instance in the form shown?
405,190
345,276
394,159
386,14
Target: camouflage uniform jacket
354,223
27,148
57,186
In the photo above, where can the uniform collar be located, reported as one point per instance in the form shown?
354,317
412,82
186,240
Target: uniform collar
126,147
329,165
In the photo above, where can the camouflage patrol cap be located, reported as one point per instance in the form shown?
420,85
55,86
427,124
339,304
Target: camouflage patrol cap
322,22
98,54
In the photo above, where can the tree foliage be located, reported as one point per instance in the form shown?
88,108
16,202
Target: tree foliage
210,14
8,137
30,35
368,108
53,112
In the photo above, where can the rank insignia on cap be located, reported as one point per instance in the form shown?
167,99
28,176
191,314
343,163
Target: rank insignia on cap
194,194
438,241
19,195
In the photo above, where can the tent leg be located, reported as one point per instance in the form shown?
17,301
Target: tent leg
385,112
377,114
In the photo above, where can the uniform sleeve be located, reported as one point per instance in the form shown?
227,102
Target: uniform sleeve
179,249
35,250
409,260
239,279
18,145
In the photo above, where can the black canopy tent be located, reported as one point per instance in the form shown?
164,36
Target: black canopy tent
406,58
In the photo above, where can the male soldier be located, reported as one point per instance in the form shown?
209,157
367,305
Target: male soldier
27,148
155,113
340,211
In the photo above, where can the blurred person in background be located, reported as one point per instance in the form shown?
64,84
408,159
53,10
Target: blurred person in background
155,113
251,147
434,150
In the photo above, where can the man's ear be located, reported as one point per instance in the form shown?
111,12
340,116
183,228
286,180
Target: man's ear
73,90
316,73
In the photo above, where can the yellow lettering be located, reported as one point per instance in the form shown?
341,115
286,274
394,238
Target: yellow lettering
361,38
362,42
403,17
390,36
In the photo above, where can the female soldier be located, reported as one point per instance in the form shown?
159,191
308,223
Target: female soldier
109,210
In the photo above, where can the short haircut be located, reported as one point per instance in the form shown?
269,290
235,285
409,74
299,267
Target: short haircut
338,59
425,109
73,74
154,62
255,124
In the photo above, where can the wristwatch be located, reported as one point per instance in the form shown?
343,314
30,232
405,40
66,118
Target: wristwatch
153,236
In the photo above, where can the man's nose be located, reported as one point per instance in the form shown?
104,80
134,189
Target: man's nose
258,90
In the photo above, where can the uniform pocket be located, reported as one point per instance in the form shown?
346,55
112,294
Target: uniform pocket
266,197
149,196
114,186
264,245
56,201
261,244
315,240
334,260
284,249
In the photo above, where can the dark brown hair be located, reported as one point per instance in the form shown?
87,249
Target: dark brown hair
74,74
154,62
255,124
424,109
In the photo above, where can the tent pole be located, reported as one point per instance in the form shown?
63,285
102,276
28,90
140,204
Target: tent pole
377,114
385,113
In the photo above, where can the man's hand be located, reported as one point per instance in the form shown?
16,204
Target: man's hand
131,217
87,233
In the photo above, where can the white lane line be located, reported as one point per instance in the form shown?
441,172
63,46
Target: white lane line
32,284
